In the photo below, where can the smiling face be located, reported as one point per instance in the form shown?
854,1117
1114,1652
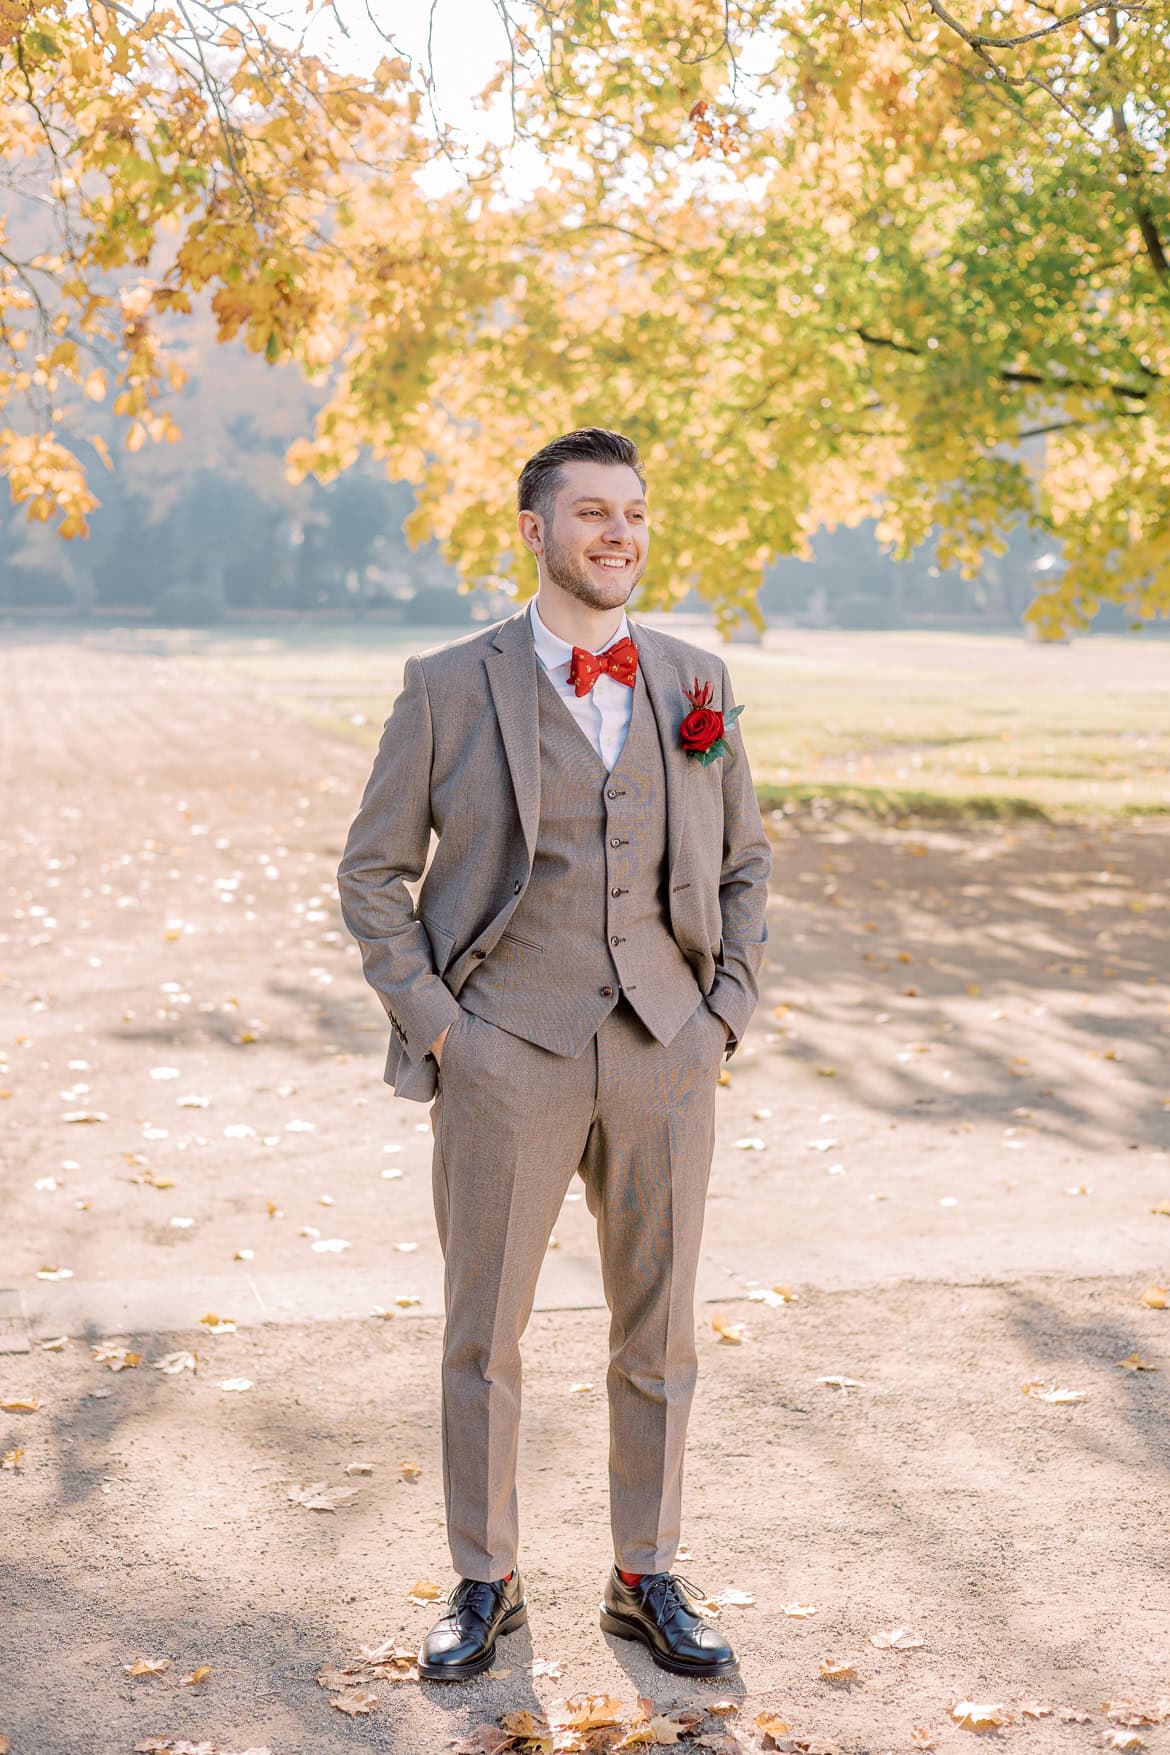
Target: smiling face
596,544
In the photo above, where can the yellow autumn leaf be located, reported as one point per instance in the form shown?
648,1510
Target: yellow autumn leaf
143,1666
1154,1297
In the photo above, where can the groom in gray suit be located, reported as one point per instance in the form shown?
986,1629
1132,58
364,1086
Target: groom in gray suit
583,953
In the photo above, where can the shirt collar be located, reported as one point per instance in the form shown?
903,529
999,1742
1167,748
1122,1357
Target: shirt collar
552,650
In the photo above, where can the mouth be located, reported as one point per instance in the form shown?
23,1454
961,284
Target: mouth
616,564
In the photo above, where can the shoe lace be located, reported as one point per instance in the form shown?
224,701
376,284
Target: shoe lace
674,1589
457,1598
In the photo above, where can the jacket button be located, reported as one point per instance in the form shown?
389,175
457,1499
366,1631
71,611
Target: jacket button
516,888
611,792
607,993
615,892
615,841
479,955
615,941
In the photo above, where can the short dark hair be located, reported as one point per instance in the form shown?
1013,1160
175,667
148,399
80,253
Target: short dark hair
541,477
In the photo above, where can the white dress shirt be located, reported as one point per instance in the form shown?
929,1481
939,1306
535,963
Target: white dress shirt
604,713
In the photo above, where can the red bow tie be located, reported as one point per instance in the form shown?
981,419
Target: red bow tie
619,661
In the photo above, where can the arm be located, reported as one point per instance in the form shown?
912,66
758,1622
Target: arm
743,889
388,843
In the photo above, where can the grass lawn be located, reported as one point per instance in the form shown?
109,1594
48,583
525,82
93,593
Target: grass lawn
890,723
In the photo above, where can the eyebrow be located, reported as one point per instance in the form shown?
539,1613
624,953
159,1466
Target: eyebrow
600,500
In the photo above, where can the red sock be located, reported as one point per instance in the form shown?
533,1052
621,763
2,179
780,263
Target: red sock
630,1578
508,1575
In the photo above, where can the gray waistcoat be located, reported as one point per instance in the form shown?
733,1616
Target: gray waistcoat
593,922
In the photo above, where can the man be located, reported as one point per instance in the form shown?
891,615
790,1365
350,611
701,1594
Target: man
584,951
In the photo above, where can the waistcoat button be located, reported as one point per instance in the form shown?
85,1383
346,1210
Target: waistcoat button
615,941
612,792
516,888
617,892
479,955
614,841
607,993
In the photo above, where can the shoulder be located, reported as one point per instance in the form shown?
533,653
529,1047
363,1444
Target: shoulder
463,657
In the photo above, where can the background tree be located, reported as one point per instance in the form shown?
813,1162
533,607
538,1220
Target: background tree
825,264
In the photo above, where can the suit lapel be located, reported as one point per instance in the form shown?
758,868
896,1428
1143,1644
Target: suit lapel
511,670
665,688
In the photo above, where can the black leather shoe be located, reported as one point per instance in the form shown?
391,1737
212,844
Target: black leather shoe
660,1611
463,1641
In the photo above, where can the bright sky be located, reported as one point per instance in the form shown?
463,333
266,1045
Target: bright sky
468,42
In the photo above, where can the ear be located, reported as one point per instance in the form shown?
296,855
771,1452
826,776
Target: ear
531,528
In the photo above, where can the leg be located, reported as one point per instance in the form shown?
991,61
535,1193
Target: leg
648,1160
510,1128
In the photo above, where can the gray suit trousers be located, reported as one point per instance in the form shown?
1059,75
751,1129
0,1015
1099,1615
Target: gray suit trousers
512,1123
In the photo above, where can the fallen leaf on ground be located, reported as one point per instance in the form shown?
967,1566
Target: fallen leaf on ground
117,1358
580,1388
198,1675
1050,1392
735,1599
1034,1709
218,1325
1124,1712
423,1592
584,1712
897,1639
524,1723
1134,1362
483,1740
921,1738
1122,1740
143,1666
180,1746
550,1667
173,1363
732,1332
971,1715
410,1471
662,1731
320,1496
236,1383
354,1705
54,1273
12,1459
724,1706
1155,1297
771,1724
838,1669
400,1656
359,1468
800,1611
57,1345
841,1382
20,1405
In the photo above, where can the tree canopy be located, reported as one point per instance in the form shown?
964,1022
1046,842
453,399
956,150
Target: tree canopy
823,261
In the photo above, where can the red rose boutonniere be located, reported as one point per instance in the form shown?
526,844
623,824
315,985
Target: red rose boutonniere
702,730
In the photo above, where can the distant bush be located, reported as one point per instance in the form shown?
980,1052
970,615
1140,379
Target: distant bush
866,611
186,606
439,606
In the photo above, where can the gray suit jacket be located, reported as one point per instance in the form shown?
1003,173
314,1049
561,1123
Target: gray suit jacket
460,755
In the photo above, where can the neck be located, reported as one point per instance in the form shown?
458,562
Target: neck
574,621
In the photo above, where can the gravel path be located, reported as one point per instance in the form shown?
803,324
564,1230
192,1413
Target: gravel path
958,1103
